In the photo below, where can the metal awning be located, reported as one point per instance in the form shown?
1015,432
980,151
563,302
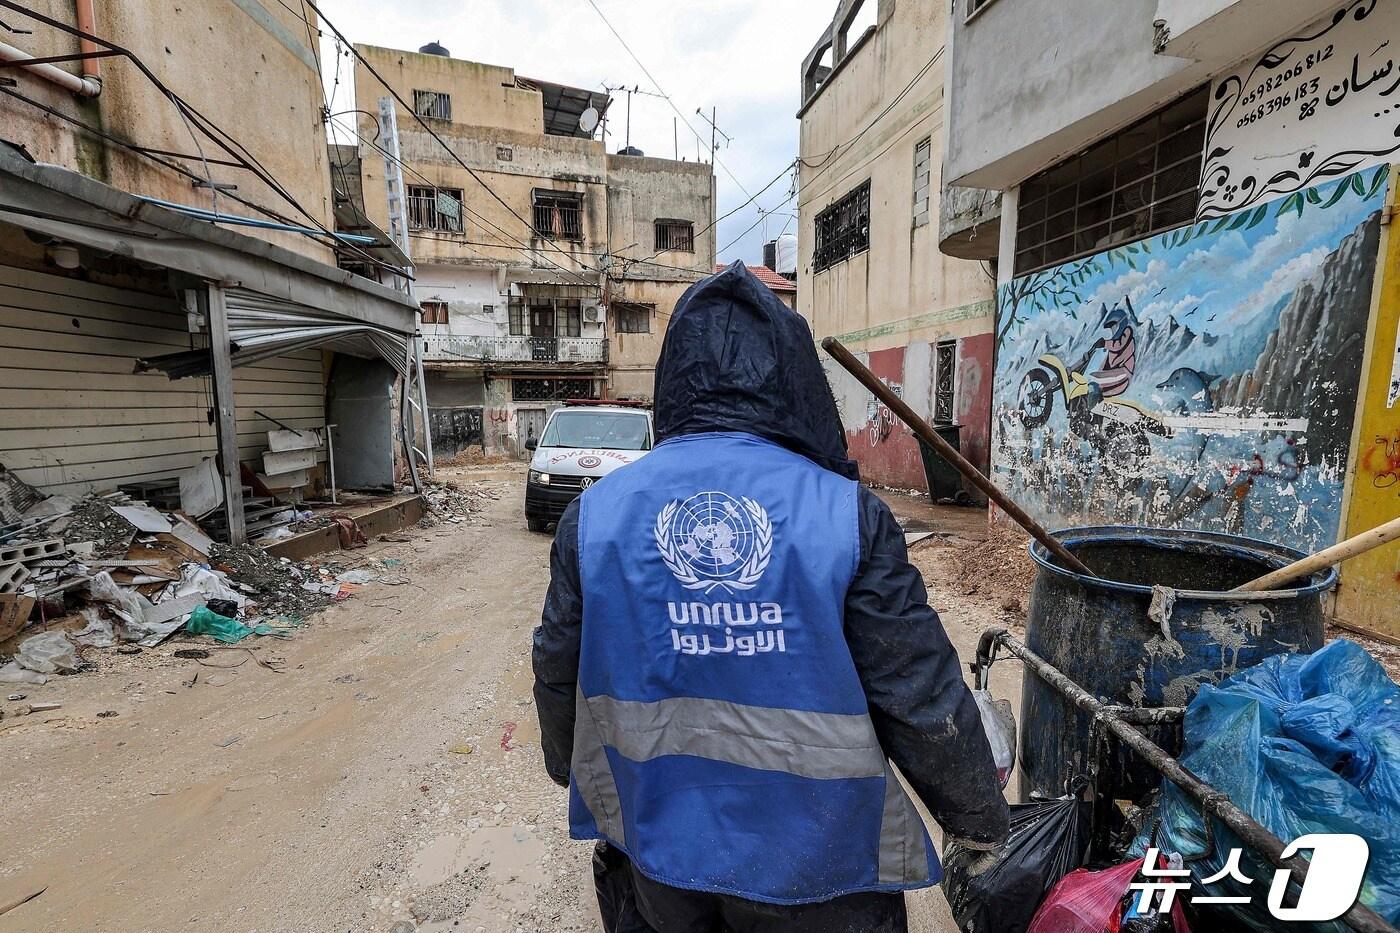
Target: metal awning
279,301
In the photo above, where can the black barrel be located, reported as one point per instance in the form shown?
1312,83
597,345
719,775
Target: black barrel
1107,636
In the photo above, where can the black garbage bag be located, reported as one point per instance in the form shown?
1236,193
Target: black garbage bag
1047,842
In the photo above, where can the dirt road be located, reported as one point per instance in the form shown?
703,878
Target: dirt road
385,777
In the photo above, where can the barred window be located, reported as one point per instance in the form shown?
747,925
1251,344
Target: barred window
843,229
675,235
517,316
632,318
1140,182
558,214
434,312
433,104
945,376
434,208
552,390
922,156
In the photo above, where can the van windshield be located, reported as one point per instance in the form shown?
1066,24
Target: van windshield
603,430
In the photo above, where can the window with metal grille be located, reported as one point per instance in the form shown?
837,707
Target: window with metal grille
922,156
433,104
632,319
843,229
945,378
551,390
568,317
435,208
558,214
517,316
433,312
675,235
1142,181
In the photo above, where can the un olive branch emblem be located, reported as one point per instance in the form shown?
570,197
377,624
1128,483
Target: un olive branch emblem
702,539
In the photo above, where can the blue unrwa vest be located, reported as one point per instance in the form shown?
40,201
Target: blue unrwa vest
722,738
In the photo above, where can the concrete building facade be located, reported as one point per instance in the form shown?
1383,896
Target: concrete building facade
145,220
545,267
1197,311
869,267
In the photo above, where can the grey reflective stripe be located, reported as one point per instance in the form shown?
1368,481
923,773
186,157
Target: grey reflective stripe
903,859
593,775
825,746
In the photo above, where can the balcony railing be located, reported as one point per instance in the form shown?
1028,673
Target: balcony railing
515,349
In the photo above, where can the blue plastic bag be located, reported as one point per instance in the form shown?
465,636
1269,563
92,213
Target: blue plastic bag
1304,744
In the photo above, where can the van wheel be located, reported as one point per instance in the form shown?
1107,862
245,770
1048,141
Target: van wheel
536,525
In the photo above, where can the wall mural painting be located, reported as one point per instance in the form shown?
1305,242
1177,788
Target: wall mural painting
1203,378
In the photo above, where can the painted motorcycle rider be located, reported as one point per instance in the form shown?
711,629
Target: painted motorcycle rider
1120,357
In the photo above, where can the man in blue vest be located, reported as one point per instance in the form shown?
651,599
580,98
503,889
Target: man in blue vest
735,647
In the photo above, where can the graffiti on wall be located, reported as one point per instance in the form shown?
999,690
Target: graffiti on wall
1203,378
1334,83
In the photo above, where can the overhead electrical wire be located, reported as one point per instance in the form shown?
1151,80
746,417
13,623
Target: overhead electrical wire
429,130
657,84
209,128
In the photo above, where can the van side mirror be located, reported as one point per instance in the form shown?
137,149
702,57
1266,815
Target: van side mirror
532,444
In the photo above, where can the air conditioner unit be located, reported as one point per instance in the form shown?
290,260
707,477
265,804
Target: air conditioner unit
593,314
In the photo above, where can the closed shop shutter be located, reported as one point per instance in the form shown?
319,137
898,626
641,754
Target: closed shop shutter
74,417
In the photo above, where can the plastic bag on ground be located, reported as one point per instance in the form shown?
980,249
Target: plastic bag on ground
195,578
1091,902
224,629
48,653
12,673
1047,842
1304,744
99,632
999,722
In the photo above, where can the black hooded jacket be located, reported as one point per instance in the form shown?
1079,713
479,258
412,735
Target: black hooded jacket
736,359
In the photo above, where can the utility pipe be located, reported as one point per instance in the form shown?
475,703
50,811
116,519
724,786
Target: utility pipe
83,87
87,22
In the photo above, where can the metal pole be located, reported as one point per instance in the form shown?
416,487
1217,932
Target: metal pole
945,450
1251,832
226,417
330,458
423,404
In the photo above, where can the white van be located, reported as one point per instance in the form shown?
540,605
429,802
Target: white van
582,442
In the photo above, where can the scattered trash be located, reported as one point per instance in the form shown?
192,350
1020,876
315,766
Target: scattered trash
1047,842
107,714
129,649
356,576
16,697
461,749
1306,744
48,653
507,735
224,629
42,707
12,673
1093,902
999,722
191,654
225,743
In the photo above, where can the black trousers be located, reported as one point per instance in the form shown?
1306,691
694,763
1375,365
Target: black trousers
632,903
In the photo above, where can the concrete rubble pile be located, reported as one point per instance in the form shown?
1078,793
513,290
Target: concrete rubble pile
453,505
112,571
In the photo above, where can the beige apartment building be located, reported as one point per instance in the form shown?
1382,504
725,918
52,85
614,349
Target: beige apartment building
870,269
169,285
545,266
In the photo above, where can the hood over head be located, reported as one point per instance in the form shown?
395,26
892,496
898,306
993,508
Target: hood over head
735,358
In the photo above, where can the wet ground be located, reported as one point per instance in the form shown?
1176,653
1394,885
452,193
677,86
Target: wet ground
380,772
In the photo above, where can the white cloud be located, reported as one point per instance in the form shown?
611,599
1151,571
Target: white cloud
1284,280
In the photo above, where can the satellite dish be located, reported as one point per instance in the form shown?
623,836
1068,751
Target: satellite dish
588,120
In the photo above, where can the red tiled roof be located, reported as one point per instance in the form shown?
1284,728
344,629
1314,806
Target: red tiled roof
767,276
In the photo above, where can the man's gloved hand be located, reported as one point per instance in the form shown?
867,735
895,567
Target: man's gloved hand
983,854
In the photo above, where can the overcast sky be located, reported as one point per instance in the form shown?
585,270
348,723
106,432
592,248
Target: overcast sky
740,56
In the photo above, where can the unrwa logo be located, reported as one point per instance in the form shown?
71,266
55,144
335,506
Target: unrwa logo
714,540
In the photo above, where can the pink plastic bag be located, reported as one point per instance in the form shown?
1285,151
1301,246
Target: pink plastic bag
1088,902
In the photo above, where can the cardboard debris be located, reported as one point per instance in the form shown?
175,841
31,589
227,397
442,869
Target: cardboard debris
201,489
